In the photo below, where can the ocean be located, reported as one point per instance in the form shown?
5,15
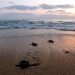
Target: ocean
61,24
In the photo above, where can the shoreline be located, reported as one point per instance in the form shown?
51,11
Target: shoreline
33,31
52,57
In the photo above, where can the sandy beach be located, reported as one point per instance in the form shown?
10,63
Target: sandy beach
53,58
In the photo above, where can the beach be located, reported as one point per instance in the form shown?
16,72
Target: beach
56,58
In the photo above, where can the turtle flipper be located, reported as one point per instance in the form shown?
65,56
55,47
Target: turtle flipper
36,64
17,65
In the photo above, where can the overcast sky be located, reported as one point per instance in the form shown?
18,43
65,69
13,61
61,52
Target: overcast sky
37,9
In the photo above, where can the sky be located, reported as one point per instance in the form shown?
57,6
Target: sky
37,9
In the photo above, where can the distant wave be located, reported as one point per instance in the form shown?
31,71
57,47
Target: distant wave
37,24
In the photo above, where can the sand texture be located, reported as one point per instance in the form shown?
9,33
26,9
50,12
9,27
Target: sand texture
56,58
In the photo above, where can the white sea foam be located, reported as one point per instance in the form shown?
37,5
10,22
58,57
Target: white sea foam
37,24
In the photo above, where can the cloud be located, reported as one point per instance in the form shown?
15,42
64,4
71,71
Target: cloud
21,7
58,11
64,6
50,11
11,2
18,7
33,8
46,6
1,8
43,6
63,12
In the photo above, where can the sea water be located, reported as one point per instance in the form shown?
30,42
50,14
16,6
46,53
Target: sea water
67,25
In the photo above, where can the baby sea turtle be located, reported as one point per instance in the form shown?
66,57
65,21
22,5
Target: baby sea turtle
34,44
24,64
50,41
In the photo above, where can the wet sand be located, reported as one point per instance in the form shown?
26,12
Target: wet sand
52,57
